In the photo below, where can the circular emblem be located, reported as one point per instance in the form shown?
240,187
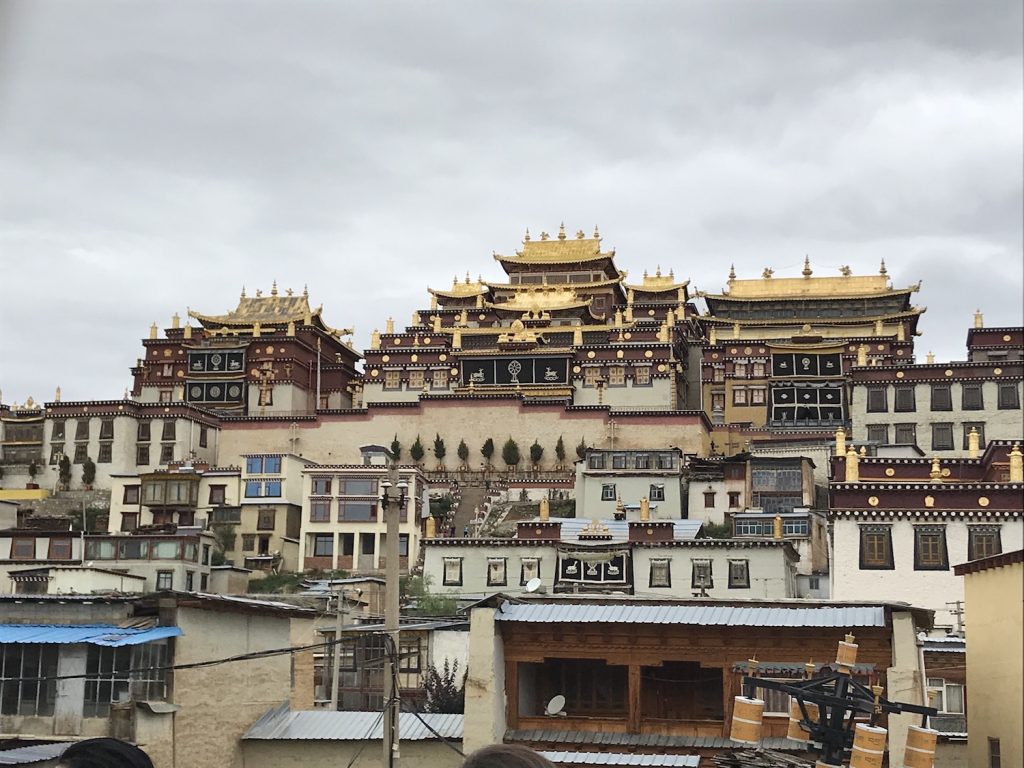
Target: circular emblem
385,358
889,472
648,353
515,367
983,501
234,390
375,372
216,359
873,501
948,372
998,371
426,339
397,341
215,391
270,350
899,374
195,392
591,354
442,357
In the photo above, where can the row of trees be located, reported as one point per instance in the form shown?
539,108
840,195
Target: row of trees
64,471
510,453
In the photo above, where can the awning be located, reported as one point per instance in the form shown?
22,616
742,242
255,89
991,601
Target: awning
93,634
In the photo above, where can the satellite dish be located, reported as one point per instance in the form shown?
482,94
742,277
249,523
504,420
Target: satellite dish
556,706
534,585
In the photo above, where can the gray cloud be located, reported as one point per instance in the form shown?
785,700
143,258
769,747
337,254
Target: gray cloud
162,155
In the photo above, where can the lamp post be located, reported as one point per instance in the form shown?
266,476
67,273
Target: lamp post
393,498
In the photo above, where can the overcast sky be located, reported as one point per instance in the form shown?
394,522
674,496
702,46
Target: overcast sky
157,156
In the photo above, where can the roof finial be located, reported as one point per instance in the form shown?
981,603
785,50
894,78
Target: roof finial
273,288
243,292
288,292
580,234
657,271
732,271
455,280
882,270
526,238
807,267
597,234
305,290
561,231
979,320
467,277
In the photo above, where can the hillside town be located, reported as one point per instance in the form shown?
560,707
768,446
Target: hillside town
558,506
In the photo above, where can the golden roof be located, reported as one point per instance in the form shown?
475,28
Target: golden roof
657,283
542,299
461,289
263,309
846,285
575,286
559,250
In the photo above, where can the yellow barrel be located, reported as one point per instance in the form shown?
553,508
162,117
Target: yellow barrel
868,747
920,747
795,732
747,715
846,654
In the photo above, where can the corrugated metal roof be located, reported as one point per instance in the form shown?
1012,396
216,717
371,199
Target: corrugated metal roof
94,634
34,754
622,759
724,615
645,740
283,723
619,529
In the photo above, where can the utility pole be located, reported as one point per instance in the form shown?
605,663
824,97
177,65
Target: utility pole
393,499
339,621
958,611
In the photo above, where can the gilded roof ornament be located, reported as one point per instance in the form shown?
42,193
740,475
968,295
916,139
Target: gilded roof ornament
243,293
561,231
597,234
526,239
259,293
882,270
845,270
579,234
544,235
807,272
289,292
732,271
273,288
768,272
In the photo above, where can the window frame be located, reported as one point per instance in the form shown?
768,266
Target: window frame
886,562
447,578
871,400
974,539
523,578
939,429
938,560
164,580
656,492
946,390
608,492
658,579
904,398
972,388
696,564
873,431
739,580
1006,403
499,579
905,427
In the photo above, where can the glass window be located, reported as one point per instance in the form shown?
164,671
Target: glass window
218,494
995,753
204,439
272,489
57,430
403,545
131,494
129,521
410,655
739,574
133,549
972,397
701,576
877,400
905,400
876,548
666,461
983,541
595,461
878,433
265,519
942,397
82,429
496,576
657,492
142,433
99,549
361,487
1009,397
643,461
27,684
272,465
709,499
165,579
619,461
906,434
321,486
452,572
248,542
254,465
253,489
661,573
320,511
357,511
942,437
608,492
107,429
142,455
165,550
167,453
739,396
23,548
169,429
153,492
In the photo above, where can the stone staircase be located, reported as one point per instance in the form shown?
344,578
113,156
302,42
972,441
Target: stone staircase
68,503
473,496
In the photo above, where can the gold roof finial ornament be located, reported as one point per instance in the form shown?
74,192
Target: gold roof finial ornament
153,331
243,292
289,292
455,280
931,356
259,293
732,271
645,273
671,274
467,277
657,271
768,272
526,238
561,231
845,270
979,320
580,234
597,233
273,288
806,272
544,235
1016,464
175,320
305,291
936,470
882,270
56,395
125,393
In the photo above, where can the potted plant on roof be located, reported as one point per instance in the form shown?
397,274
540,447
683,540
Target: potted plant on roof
64,472
510,455
33,470
463,452
88,473
560,453
487,451
439,451
416,451
536,452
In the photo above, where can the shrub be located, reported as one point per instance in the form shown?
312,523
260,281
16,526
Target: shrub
510,453
417,452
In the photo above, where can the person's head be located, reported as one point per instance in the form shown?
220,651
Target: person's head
506,756
104,753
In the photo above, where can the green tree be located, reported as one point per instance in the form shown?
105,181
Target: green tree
33,470
463,451
88,471
418,599
64,471
581,449
446,689
396,448
439,450
487,450
560,451
510,453
417,452
536,452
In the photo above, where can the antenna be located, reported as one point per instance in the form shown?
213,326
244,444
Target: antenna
535,585
555,707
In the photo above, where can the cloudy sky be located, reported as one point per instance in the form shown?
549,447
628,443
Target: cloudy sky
157,156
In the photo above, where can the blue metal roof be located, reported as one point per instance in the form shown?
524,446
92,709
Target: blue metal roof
725,615
94,634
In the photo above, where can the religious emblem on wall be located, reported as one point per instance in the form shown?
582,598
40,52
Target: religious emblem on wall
505,371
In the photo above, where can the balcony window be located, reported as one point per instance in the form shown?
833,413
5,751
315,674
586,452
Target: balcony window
133,549
357,487
356,511
643,461
682,691
942,397
321,486
618,461
661,573
100,549
972,397
666,461
595,461
592,688
165,550
876,548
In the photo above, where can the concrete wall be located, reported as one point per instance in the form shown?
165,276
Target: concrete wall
772,574
449,644
904,681
485,685
219,703
926,589
474,566
630,488
995,662
261,753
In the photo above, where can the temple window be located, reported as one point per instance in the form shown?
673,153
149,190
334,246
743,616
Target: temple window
661,573
642,376
1009,397
718,401
529,568
591,376
905,400
439,379
878,433
876,547
739,574
56,451
452,572
142,434
496,575
701,576
142,455
972,397
616,376
608,492
739,396
392,379
106,453
657,492
168,430
983,541
107,429
740,370
906,434
942,397
167,453
266,518
57,430
415,379
734,499
81,452
758,395
930,548
709,499
979,427
165,395
877,400
759,371
82,429
718,374
204,438
942,437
